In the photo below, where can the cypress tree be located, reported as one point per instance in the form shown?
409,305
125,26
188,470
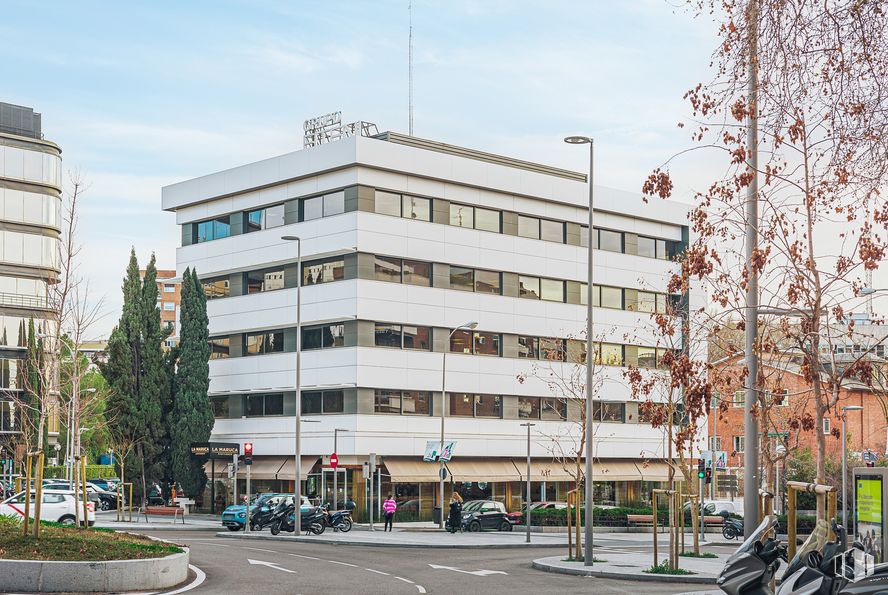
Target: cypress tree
155,382
192,416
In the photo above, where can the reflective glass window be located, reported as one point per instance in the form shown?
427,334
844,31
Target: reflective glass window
487,344
528,408
488,282
529,287
261,281
576,351
416,403
388,203
462,278
461,342
220,407
611,354
259,343
661,303
462,405
662,250
323,271
387,401
609,412
322,337
333,401
612,297
584,236
487,220
647,247
528,227
610,240
312,402
387,269
552,231
553,409
528,347
462,215
417,337
647,302
219,347
552,290
417,208
254,221
387,335
488,406
274,216
274,404
552,349
312,208
417,272
334,204
647,357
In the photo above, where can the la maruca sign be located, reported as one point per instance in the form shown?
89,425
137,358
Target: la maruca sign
215,450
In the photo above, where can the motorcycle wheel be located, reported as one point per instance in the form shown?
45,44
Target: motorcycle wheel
275,527
728,532
317,528
345,526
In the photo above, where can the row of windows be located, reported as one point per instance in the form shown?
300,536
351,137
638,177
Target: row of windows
272,404
29,249
31,166
31,208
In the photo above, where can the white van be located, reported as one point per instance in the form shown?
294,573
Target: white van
58,506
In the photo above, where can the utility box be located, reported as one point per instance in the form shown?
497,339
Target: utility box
871,509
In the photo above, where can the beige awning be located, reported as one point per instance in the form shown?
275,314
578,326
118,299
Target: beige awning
488,470
262,468
411,470
615,471
542,470
307,462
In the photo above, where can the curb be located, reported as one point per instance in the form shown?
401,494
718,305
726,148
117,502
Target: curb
452,546
638,576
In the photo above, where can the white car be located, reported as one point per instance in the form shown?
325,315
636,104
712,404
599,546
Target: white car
58,506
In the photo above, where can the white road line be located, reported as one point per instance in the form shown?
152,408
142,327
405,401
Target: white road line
200,577
420,588
301,556
259,549
377,571
406,580
342,563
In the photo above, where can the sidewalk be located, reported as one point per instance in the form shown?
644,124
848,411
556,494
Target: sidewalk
632,566
109,520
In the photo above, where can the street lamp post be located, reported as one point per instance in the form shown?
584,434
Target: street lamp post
72,427
844,463
297,489
336,469
588,534
527,492
467,326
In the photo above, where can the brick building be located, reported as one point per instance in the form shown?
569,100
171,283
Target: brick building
169,293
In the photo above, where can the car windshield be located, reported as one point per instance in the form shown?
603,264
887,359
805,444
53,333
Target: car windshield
474,505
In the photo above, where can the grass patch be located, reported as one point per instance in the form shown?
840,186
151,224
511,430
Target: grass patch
665,568
582,559
62,542
700,555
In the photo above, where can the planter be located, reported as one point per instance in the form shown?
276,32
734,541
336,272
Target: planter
110,576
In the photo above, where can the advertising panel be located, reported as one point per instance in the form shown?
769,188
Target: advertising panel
869,514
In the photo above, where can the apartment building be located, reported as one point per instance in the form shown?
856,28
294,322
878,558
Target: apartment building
404,240
169,299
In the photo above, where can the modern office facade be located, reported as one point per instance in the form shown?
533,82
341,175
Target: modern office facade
30,225
403,241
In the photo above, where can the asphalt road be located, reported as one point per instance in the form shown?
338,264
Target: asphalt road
327,569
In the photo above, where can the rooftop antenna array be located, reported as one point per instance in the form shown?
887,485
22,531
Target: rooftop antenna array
329,127
410,70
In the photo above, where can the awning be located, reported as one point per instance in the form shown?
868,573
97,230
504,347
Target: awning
262,468
542,470
483,470
615,471
657,471
307,462
411,470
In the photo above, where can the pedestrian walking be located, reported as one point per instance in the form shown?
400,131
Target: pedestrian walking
389,507
454,520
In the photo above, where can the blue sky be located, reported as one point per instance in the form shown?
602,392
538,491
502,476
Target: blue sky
142,94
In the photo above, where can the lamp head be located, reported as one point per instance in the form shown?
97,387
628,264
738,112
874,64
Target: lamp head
852,408
471,325
867,291
291,238
577,140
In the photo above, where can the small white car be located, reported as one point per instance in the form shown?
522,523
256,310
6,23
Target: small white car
58,506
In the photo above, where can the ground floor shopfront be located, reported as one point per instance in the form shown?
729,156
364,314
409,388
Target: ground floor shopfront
415,485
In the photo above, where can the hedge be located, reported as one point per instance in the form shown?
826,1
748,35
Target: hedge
603,517
92,472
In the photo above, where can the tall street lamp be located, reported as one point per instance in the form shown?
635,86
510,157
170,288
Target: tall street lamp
583,140
527,425
467,326
72,427
336,469
297,489
844,463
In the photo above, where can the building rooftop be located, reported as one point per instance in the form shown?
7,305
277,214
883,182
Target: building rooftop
19,120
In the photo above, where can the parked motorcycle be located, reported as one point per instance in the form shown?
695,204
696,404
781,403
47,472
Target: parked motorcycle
311,521
262,517
339,520
733,528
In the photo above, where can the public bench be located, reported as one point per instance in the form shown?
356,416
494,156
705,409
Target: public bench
635,519
170,511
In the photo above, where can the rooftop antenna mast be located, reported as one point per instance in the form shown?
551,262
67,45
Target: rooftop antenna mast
410,70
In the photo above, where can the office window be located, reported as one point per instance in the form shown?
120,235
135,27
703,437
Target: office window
216,288
662,307
528,227
461,342
647,302
647,247
739,442
462,215
488,282
169,288
312,402
417,208
611,241
552,349
552,231
264,405
417,272
462,278
487,344
584,236
487,220
417,337
388,203
264,218
528,408
219,405
388,335
387,401
488,406
322,337
334,204
260,343
328,401
274,404
552,290
312,208
254,221
214,229
169,306
323,271
416,403
387,269
260,281
528,347
462,405
647,357
553,409
662,250
576,351
219,347
611,354
611,297
609,412
529,287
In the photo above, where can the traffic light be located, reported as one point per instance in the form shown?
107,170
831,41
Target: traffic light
248,453
701,468
708,475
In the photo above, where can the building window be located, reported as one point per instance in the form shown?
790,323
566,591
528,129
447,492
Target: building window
488,406
461,342
388,203
662,250
552,349
609,412
261,343
462,405
528,408
780,398
169,306
488,282
167,288
488,220
584,236
647,302
528,227
417,272
220,347
265,405
553,409
739,398
312,208
216,288
266,218
462,215
416,403
739,442
529,287
610,354
214,229
387,269
417,337
552,231
388,335
328,401
334,204
219,405
612,241
322,337
261,281
552,290
576,351
323,271
387,401
462,278
417,208
487,344
611,297
647,247
826,425
647,357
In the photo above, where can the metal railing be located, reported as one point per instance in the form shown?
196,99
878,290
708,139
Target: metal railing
24,301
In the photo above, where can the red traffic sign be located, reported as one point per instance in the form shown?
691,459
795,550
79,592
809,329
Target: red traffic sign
334,460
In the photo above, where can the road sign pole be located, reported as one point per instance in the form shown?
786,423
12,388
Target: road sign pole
247,519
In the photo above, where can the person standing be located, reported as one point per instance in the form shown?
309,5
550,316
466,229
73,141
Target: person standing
454,520
388,508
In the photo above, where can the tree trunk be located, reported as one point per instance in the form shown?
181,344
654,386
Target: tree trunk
144,486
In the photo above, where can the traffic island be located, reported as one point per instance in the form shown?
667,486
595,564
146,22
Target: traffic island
69,559
635,567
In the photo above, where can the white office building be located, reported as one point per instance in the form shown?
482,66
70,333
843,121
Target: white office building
403,241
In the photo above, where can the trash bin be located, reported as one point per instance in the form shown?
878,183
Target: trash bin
436,514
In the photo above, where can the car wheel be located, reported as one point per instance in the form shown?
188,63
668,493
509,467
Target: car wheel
474,526
105,505
67,520
506,526
233,528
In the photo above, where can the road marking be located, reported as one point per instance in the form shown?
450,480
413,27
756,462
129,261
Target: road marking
420,588
270,565
343,563
306,557
199,578
259,549
474,572
377,571
406,580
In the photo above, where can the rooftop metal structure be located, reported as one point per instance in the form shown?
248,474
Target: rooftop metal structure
19,120
329,128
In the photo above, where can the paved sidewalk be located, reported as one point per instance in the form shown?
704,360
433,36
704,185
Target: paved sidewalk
109,520
632,566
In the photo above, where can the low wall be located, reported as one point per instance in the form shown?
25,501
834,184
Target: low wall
113,576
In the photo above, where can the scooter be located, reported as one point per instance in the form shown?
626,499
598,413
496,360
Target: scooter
340,520
750,569
733,528
261,517
311,521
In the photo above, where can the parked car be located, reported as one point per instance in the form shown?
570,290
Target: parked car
109,484
104,499
235,516
715,507
517,517
58,506
485,514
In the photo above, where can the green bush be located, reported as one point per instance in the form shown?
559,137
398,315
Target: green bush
602,517
92,472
